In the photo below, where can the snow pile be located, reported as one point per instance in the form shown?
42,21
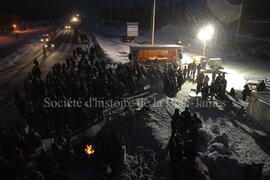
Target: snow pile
147,154
222,141
114,49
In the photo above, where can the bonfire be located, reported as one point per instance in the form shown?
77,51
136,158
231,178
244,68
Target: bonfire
89,149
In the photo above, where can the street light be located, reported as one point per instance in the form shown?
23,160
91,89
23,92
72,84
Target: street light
206,34
14,26
74,19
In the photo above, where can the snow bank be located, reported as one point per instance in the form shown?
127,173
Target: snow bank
117,51
147,154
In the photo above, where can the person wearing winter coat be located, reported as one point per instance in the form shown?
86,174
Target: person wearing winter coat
175,119
246,92
261,86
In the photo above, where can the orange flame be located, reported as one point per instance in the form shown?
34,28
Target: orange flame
89,149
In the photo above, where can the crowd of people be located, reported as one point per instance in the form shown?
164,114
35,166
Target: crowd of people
80,77
217,86
247,90
83,79
183,146
23,156
173,80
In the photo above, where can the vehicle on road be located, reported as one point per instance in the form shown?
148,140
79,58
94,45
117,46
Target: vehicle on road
45,37
67,27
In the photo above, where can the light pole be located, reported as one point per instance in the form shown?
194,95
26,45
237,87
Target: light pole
153,21
204,47
206,34
239,23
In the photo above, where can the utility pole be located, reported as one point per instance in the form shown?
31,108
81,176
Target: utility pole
239,22
153,22
204,47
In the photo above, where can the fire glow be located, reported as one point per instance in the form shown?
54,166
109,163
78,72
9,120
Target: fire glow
89,149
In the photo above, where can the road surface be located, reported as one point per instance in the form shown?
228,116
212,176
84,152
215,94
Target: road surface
10,43
12,78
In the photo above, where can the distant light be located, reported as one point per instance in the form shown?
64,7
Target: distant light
77,15
74,19
14,26
52,45
206,33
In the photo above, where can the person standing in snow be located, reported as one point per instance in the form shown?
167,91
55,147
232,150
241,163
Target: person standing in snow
193,70
189,69
246,92
214,74
205,91
199,68
185,72
186,118
261,86
200,78
175,119
232,92
194,127
206,80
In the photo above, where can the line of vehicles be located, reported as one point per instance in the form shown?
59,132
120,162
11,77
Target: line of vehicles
81,37
47,38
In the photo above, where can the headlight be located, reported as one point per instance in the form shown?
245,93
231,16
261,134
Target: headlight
46,45
47,39
52,45
41,40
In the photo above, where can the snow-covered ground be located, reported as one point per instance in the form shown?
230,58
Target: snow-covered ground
12,49
237,65
22,35
224,146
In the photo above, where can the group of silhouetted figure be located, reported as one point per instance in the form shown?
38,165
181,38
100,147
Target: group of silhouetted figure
183,146
23,156
82,77
217,87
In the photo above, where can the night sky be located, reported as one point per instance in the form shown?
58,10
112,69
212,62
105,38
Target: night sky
258,7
